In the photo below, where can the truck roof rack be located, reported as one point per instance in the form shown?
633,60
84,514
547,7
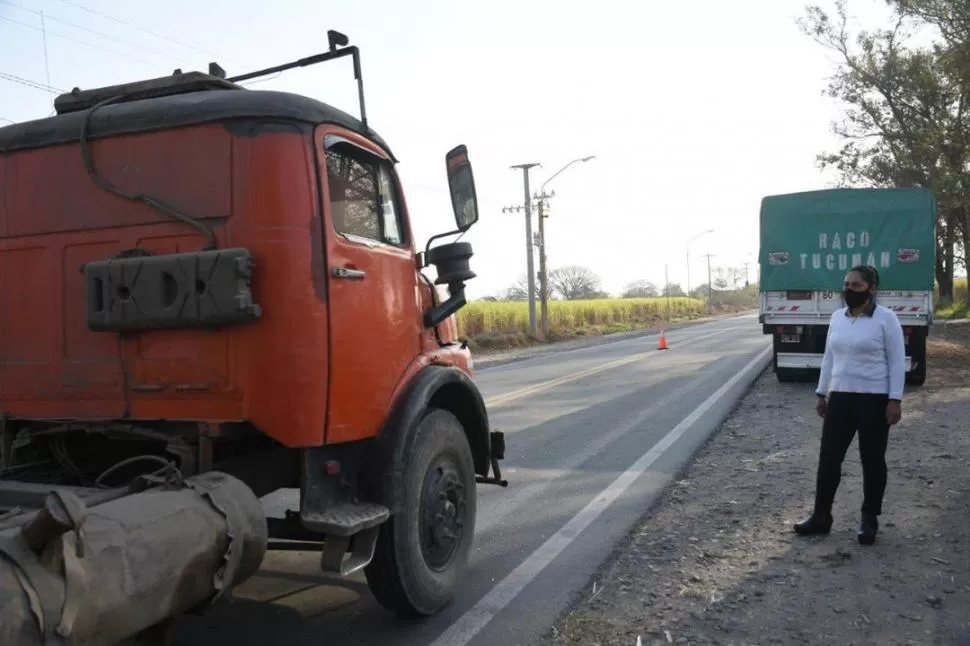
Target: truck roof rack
178,83
183,83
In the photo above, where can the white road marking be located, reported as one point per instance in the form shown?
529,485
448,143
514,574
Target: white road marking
475,619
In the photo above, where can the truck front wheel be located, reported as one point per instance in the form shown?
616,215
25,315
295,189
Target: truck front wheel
422,550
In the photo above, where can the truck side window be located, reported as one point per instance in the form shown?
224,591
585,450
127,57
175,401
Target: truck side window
389,217
363,200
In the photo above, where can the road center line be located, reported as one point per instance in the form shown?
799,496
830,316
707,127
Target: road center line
565,379
475,619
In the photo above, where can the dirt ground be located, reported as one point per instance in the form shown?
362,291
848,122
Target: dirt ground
715,561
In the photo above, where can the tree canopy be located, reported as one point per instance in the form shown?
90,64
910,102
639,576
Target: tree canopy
906,111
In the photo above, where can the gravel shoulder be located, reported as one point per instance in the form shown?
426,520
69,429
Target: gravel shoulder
715,560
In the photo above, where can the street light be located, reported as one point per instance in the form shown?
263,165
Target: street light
543,275
581,160
689,242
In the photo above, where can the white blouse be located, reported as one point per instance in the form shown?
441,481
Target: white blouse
864,354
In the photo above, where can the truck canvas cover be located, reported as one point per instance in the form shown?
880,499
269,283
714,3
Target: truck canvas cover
810,240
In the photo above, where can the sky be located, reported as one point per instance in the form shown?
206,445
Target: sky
694,111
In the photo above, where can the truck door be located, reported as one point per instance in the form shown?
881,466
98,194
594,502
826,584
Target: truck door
375,321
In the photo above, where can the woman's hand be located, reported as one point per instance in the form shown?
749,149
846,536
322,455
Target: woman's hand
821,406
894,412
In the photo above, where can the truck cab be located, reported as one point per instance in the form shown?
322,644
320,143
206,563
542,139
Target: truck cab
220,279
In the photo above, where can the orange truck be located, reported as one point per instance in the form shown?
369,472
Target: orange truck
207,294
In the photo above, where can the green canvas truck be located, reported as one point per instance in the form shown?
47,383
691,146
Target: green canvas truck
810,240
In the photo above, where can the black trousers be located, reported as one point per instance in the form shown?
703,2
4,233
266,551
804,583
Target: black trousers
848,413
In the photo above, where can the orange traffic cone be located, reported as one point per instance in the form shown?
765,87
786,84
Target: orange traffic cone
662,341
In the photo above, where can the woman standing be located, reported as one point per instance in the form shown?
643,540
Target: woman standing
860,389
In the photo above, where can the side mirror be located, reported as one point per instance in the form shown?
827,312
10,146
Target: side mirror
461,184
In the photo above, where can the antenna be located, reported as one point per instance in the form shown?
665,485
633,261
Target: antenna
339,48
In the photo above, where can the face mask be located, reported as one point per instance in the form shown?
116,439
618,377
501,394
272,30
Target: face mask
855,299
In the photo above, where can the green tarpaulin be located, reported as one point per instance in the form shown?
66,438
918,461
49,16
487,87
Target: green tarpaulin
810,240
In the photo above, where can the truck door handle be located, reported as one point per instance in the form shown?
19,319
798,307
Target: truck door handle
344,272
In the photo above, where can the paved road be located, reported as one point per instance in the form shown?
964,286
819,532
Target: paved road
592,437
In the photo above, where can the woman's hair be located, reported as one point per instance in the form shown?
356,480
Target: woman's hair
868,273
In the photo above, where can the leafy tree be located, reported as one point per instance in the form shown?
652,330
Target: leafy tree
906,114
701,292
673,289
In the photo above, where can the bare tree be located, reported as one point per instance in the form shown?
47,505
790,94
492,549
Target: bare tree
728,278
520,291
641,289
575,283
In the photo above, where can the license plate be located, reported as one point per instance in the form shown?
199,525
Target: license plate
791,338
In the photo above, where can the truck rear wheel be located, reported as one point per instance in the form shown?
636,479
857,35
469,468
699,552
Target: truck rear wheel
917,375
795,375
786,375
422,550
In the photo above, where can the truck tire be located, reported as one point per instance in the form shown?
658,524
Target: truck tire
917,376
796,375
422,551
787,375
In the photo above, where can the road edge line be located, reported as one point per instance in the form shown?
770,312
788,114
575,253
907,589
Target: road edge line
469,624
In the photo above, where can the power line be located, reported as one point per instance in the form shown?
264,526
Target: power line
142,29
78,41
44,16
31,84
47,61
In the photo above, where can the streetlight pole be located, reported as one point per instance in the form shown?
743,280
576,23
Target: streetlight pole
543,270
689,243
530,265
710,284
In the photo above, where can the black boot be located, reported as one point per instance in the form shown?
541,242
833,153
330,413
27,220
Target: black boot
868,529
817,523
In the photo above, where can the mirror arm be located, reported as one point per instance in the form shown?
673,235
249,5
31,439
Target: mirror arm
437,236
455,302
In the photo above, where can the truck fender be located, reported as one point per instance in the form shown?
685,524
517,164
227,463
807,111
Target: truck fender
433,387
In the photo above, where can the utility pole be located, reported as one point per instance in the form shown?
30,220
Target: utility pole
667,290
746,281
710,285
688,271
689,242
543,270
530,265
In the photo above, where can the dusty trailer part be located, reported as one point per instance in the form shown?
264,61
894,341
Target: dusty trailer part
100,575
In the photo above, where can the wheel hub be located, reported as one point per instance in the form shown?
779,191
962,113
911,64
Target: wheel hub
442,514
